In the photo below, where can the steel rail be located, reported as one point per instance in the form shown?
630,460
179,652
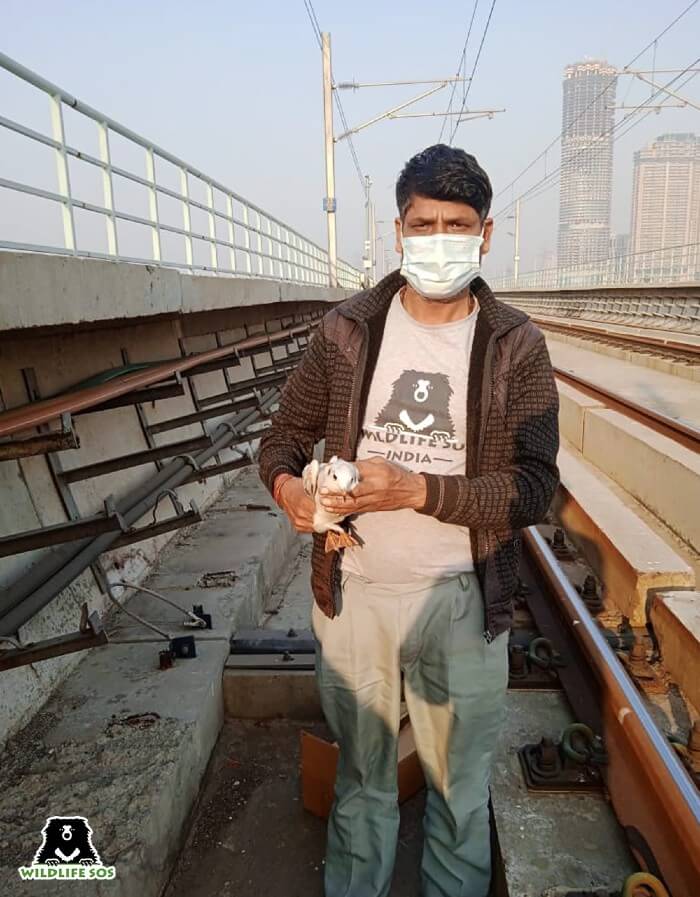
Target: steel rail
26,417
684,434
650,790
657,342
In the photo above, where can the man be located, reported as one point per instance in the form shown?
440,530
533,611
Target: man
445,397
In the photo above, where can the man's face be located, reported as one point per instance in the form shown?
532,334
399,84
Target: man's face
425,217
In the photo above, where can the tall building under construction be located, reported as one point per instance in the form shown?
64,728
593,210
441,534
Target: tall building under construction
665,233
588,114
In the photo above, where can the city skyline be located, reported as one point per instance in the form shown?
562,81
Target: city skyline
267,143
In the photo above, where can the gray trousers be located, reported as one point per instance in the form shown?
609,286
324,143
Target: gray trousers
454,686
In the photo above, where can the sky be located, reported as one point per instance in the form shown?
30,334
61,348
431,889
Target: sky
234,88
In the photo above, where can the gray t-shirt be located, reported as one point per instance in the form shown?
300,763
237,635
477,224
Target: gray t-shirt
415,417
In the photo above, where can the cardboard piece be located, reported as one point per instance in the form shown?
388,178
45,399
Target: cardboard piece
319,760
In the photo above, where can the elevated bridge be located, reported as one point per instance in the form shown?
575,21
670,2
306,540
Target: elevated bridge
154,604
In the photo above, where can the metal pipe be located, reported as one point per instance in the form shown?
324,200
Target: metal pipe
29,416
44,581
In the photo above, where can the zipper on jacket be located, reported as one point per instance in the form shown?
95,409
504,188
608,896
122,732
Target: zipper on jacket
350,442
353,406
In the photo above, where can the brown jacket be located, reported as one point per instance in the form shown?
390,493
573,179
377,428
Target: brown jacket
512,433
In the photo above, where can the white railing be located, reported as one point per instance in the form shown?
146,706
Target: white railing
659,267
236,237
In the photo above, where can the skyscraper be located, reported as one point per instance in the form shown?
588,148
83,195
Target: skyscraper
588,115
666,210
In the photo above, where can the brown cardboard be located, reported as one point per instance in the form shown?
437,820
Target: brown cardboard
319,760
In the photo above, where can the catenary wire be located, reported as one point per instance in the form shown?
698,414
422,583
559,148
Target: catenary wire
558,137
471,77
549,180
462,62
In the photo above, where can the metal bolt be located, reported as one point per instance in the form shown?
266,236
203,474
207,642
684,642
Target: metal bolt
518,667
558,543
548,756
590,587
292,633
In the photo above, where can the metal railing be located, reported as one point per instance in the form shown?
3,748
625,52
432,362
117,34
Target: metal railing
665,308
253,243
658,267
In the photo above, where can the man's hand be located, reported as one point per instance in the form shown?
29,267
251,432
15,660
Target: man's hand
297,505
383,486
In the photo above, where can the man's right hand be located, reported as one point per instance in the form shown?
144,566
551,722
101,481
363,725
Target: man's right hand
297,505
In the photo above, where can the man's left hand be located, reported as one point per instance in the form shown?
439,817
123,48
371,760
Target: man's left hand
383,486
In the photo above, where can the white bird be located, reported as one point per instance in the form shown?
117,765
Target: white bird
335,475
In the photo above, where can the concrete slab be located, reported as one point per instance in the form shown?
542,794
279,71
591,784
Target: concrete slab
676,397
573,841
675,617
125,744
251,835
573,407
266,694
684,369
50,290
629,558
656,470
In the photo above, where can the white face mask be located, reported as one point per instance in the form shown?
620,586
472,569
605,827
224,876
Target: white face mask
439,266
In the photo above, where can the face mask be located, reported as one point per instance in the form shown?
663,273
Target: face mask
440,266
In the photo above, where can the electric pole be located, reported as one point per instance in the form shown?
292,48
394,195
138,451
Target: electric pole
516,245
370,230
329,204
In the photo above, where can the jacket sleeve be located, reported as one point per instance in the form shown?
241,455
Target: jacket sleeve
300,421
518,495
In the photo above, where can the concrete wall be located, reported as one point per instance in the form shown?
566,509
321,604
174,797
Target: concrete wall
50,290
35,291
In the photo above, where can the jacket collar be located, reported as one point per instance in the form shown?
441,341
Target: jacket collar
375,301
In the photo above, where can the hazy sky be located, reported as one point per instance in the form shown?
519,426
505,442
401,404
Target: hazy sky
235,89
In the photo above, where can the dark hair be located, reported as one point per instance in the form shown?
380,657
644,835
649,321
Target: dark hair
446,173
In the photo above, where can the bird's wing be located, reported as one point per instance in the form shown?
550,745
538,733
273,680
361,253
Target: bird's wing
309,477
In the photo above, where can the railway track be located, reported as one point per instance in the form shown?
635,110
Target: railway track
654,797
684,434
667,346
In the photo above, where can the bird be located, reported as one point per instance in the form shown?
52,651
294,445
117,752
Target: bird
335,475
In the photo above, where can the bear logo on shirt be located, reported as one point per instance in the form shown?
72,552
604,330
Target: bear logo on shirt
419,403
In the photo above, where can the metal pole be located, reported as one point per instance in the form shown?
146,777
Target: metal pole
516,253
329,202
373,241
367,254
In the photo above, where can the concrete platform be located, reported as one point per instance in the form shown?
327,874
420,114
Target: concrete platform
627,451
659,390
640,357
125,744
626,554
567,840
675,617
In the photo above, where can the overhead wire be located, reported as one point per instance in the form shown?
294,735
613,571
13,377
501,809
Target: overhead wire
462,64
471,77
550,180
311,12
595,99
